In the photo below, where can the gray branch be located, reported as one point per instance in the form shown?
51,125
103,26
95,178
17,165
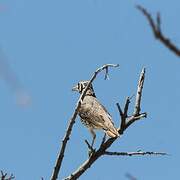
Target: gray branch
60,157
156,29
134,153
137,108
126,121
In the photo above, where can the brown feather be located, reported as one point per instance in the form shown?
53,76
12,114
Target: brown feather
97,116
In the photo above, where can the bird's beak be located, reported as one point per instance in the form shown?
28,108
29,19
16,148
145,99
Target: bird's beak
75,88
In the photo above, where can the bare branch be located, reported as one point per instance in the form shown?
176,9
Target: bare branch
156,29
87,164
105,145
126,107
106,67
133,118
134,153
137,108
4,176
122,117
120,110
91,150
72,121
89,146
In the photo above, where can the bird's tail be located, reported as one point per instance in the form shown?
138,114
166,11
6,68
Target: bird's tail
112,133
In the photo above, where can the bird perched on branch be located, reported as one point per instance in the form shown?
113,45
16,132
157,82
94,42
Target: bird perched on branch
93,114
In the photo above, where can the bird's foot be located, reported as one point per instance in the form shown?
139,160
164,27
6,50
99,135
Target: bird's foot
91,150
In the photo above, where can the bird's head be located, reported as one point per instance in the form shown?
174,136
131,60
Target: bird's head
81,86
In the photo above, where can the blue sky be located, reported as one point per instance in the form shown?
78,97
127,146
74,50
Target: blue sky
50,46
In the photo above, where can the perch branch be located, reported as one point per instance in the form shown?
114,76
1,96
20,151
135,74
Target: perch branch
156,29
89,146
126,107
60,157
105,145
137,108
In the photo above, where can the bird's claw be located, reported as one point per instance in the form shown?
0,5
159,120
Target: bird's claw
91,150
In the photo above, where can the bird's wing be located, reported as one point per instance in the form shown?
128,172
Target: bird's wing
97,114
103,114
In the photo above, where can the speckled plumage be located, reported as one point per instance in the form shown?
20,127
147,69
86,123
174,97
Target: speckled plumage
93,114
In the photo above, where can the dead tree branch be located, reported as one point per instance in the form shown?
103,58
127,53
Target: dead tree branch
122,116
134,153
4,176
125,123
136,115
72,120
156,29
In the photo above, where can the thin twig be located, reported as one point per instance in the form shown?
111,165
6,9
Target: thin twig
125,114
126,107
122,117
72,121
132,119
134,153
156,29
137,108
91,150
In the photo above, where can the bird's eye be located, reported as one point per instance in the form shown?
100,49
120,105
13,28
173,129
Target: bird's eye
78,86
81,87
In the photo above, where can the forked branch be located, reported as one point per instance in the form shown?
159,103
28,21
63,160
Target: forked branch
126,120
156,29
4,176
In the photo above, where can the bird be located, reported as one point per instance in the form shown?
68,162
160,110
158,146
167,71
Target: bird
93,114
